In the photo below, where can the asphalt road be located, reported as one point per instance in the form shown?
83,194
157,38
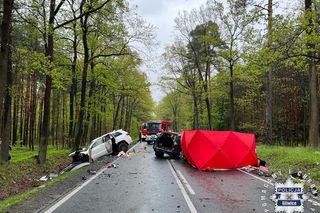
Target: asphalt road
143,184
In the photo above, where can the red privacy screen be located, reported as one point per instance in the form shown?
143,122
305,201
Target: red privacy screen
209,150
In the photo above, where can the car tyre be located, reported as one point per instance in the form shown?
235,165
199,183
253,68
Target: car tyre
159,154
122,147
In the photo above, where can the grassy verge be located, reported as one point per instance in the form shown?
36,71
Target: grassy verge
20,177
280,158
16,199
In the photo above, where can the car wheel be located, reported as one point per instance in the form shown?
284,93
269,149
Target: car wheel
122,147
149,142
159,154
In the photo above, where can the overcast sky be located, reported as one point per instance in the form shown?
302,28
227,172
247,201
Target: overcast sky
161,14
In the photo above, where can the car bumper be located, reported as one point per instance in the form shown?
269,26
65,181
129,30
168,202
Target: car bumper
151,137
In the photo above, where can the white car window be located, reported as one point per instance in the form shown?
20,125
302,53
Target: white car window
96,143
106,138
116,134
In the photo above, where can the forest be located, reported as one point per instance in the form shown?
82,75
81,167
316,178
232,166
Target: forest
70,72
248,66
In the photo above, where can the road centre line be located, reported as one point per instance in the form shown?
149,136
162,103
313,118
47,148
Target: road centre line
74,191
185,182
182,189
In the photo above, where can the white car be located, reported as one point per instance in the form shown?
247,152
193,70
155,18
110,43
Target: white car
103,145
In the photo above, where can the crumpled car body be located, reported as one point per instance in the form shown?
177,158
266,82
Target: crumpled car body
103,146
168,143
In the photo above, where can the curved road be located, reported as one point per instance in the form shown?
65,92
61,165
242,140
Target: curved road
143,184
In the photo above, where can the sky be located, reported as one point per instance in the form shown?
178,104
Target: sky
161,14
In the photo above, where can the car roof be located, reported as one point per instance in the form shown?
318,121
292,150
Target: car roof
119,130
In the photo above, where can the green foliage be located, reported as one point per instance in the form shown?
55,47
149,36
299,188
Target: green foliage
246,54
292,159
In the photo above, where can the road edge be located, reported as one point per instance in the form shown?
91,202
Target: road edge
77,189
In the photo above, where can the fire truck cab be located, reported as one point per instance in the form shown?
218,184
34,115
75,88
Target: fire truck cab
150,130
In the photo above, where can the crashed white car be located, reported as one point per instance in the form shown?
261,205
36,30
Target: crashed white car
103,145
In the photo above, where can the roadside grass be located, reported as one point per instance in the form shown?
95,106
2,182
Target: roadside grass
292,159
20,177
7,203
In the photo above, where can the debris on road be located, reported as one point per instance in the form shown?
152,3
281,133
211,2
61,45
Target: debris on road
122,154
48,177
44,178
111,165
133,173
299,176
92,172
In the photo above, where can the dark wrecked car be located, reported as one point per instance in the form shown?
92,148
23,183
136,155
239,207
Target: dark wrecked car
168,143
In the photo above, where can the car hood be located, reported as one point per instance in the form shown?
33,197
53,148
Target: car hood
81,151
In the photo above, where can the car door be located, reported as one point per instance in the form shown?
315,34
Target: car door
98,149
108,144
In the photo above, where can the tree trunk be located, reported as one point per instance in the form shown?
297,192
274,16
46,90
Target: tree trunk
269,81
314,109
62,138
116,113
27,114
195,112
33,109
81,118
46,108
122,113
232,119
53,116
91,92
5,130
208,98
73,88
127,113
4,51
15,120
21,113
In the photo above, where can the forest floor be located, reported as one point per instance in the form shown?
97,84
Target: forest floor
292,159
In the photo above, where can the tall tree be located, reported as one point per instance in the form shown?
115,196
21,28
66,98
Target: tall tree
314,106
205,39
236,21
5,78
269,80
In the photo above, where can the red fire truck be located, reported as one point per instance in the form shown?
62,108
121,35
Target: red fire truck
151,129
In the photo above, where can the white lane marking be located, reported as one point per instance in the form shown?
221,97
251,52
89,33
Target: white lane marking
185,182
183,191
69,195
256,177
